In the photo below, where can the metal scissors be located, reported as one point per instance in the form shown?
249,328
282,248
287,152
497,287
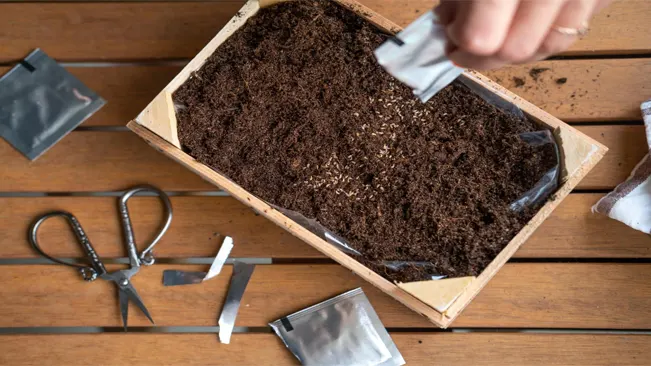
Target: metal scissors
96,269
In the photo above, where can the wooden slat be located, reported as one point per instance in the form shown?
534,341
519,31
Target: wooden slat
105,161
93,31
197,230
94,161
627,146
604,90
614,296
572,231
594,90
100,31
260,349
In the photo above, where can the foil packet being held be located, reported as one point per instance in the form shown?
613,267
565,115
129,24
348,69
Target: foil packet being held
40,103
344,330
416,57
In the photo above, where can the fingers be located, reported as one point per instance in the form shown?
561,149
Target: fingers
446,11
480,27
600,5
490,34
530,27
487,34
574,14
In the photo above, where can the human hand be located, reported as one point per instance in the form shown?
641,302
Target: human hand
487,34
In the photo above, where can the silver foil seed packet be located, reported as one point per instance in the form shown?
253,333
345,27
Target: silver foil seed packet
416,56
344,330
41,102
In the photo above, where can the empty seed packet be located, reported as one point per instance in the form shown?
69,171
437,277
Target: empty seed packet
41,102
344,330
416,56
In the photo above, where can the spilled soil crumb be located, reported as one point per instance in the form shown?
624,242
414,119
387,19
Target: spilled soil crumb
295,109
536,71
519,82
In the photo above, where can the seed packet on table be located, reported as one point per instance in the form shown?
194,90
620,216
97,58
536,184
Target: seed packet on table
344,330
40,103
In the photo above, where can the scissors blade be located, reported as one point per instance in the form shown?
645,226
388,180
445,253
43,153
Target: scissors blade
124,307
133,295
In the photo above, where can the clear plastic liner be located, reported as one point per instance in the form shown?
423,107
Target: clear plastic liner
399,265
492,98
40,102
549,182
316,228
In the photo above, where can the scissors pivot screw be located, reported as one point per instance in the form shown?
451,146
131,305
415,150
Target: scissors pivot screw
125,282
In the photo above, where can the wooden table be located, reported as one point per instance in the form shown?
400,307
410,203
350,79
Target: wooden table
579,292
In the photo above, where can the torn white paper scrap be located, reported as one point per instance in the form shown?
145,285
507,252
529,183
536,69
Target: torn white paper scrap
177,278
220,259
241,274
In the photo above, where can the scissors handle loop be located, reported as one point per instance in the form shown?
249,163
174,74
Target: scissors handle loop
89,273
146,257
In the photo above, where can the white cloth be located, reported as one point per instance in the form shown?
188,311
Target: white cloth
630,202
416,57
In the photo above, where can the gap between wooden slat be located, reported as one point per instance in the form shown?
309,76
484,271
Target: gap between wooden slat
299,261
183,61
264,330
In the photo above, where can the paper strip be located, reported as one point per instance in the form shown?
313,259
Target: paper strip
177,278
241,274
220,259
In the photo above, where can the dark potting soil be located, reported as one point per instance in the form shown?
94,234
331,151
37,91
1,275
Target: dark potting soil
294,108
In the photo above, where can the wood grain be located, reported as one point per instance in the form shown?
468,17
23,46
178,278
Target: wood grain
627,146
94,161
106,161
616,296
488,349
151,30
572,231
593,90
111,31
197,229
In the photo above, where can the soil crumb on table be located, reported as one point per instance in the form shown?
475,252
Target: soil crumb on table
519,82
536,71
294,108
